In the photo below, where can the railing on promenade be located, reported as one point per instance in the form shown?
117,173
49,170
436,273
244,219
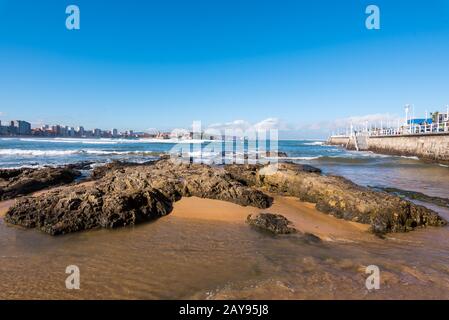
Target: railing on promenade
415,129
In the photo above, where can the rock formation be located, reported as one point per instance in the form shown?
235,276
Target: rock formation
442,202
18,182
339,197
274,223
128,194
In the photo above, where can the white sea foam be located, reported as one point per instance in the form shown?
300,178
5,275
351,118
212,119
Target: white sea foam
37,153
299,158
410,157
55,153
26,166
110,141
315,143
191,141
358,154
68,140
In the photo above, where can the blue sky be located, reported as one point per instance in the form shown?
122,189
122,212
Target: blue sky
143,64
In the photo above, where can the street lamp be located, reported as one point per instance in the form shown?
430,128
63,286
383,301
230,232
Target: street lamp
407,109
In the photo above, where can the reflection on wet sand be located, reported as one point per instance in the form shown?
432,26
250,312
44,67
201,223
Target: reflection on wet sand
203,249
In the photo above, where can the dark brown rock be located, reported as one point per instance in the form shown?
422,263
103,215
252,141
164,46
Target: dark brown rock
344,199
274,154
274,223
311,238
83,208
99,171
413,195
18,182
127,195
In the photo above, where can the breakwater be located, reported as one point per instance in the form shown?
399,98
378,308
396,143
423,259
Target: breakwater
430,147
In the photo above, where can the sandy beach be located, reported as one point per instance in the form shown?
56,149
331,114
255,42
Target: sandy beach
4,206
304,216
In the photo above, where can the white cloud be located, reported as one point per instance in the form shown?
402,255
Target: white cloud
312,130
152,131
371,119
322,129
357,121
242,125
233,125
267,124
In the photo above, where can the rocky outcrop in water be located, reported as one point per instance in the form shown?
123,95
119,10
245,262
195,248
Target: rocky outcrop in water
274,223
413,195
339,197
100,171
18,182
276,154
83,208
129,194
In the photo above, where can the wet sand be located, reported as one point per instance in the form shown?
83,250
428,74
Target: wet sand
205,250
304,216
4,206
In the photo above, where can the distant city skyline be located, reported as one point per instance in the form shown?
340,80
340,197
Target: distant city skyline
24,128
304,67
239,127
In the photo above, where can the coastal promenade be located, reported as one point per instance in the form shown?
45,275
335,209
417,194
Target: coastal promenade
427,146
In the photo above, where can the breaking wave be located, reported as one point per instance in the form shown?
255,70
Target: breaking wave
315,143
55,153
111,141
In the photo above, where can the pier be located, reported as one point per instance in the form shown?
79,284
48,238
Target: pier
427,138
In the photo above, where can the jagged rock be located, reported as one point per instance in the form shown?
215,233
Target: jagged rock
128,195
307,168
311,238
83,208
342,198
247,174
18,182
274,223
250,174
100,171
83,165
413,195
278,154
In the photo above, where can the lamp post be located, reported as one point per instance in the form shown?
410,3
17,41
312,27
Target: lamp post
407,109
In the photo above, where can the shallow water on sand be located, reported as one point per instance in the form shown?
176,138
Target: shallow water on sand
177,257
